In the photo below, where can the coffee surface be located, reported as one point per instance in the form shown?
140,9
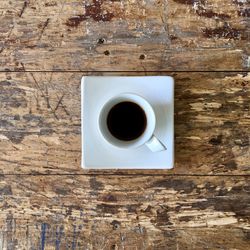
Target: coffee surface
126,121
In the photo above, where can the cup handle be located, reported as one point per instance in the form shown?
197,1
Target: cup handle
155,145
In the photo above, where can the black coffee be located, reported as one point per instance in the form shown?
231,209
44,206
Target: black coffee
126,121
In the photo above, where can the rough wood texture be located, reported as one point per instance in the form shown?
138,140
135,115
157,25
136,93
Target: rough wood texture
40,123
99,34
124,212
47,201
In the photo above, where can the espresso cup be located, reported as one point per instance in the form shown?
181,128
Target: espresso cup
128,121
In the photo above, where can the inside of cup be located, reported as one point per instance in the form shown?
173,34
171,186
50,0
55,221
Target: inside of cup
150,117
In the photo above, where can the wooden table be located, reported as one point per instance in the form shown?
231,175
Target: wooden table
47,201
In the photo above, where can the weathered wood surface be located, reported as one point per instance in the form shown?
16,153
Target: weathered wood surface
47,201
40,123
124,212
99,34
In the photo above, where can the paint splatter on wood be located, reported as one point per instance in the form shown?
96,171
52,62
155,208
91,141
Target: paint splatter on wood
163,32
93,11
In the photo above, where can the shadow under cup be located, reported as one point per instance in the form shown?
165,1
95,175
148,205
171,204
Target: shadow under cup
114,103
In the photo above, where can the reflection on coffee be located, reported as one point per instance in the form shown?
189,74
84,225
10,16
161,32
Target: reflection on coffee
126,121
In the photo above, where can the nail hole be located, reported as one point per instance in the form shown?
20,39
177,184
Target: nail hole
116,224
172,37
106,53
142,57
101,41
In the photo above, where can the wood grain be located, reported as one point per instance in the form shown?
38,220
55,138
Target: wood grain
98,34
40,124
124,212
47,201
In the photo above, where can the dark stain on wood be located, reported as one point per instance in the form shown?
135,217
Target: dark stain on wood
223,32
108,208
189,2
6,190
16,117
32,118
229,124
244,83
234,205
216,140
16,132
93,11
109,198
201,11
4,83
45,131
210,187
50,4
162,217
113,247
232,165
62,190
12,96
186,218
75,21
247,235
186,186
15,137
132,208
95,185
31,46
5,124
148,209
25,36
244,12
239,2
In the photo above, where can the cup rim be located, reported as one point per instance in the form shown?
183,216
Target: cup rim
147,108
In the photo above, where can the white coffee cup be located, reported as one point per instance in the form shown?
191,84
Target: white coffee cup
148,138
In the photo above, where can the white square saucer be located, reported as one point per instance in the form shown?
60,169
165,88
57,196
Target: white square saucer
97,153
